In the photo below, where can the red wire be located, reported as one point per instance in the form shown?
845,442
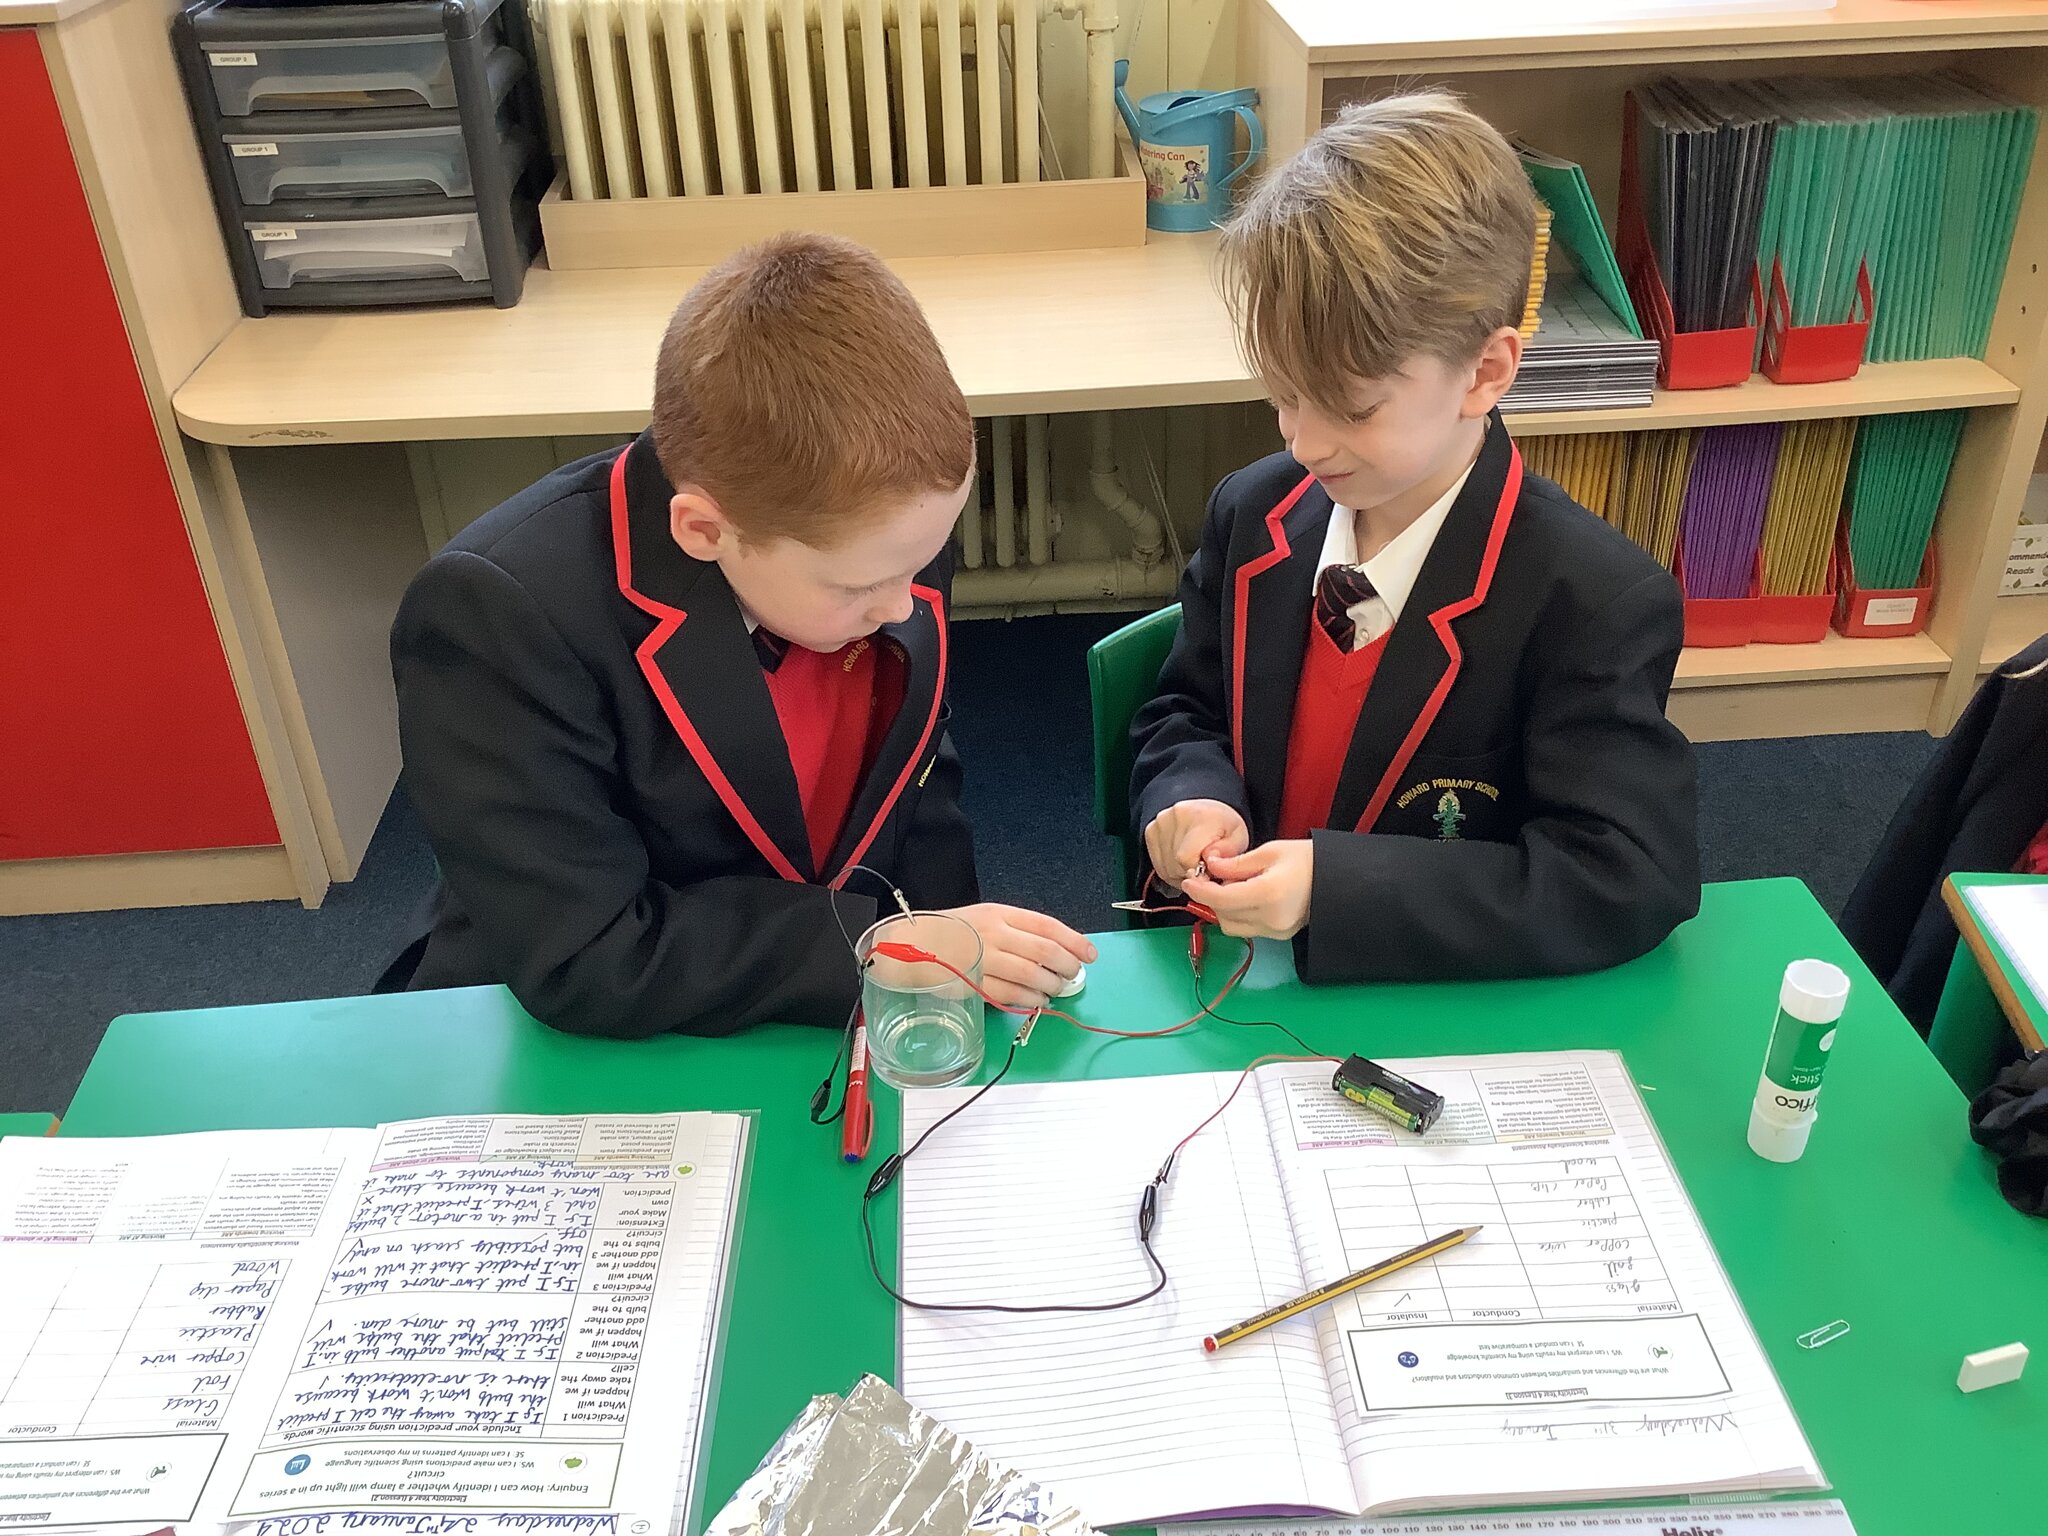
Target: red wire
1194,909
1242,1078
910,954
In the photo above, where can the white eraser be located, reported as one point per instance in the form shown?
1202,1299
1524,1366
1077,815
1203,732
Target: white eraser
1074,987
1992,1367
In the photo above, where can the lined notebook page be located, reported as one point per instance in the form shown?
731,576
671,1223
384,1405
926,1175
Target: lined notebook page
1031,1197
2018,915
716,1145
1585,1344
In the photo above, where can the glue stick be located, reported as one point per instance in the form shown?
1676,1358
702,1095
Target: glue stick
1809,1003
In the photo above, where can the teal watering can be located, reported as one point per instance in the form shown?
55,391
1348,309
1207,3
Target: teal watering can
1184,141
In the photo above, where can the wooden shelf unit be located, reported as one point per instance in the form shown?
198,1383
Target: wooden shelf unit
2017,621
1077,333
1561,85
307,417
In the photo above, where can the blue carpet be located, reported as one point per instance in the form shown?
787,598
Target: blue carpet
1811,807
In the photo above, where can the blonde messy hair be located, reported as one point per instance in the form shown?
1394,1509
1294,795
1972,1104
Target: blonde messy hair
1404,227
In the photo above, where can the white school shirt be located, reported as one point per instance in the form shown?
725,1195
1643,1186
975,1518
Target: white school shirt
1393,570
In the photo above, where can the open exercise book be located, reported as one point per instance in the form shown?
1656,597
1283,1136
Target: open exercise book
509,1317
1585,1345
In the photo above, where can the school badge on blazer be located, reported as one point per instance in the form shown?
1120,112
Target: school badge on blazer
1450,815
1455,808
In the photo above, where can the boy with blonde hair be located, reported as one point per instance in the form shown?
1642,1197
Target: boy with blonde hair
675,716
1414,720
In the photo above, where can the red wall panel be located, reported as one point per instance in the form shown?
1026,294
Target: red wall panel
119,727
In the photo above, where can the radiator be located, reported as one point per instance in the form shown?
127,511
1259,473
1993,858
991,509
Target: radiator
666,98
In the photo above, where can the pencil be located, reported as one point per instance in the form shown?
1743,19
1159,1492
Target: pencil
1323,1293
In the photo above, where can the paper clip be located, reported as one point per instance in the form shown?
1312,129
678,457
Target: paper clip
1827,1333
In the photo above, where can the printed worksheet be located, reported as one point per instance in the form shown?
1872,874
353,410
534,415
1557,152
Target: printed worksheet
1582,1344
140,1279
1584,1341
471,1317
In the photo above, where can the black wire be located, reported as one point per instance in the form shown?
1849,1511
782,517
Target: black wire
1148,1212
1203,1004
822,1095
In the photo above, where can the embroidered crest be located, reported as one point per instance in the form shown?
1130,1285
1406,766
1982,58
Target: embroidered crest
1450,815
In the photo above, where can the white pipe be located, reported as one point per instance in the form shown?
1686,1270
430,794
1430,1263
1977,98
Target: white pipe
1024,85
1000,429
638,19
1037,490
796,69
566,21
541,22
1148,536
725,100
917,154
838,100
1098,19
761,94
682,80
988,79
814,10
952,110
875,71
970,533
609,93
1067,581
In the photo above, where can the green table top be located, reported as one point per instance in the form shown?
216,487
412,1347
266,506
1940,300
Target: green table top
2036,1008
26,1124
1891,1221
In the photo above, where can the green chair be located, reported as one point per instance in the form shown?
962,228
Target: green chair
1123,674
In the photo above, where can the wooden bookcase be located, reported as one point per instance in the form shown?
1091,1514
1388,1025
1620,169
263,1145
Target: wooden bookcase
1560,85
302,486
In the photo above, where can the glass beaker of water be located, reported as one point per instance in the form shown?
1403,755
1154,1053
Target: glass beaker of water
924,1023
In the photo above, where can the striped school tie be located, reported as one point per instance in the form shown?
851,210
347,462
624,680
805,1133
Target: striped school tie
1338,589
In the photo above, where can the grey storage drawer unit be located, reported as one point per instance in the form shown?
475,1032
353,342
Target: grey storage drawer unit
378,153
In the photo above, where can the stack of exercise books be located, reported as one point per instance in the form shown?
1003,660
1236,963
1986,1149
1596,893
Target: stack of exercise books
1583,356
1704,157
1653,488
1587,466
1896,480
1721,497
1587,350
1721,520
1806,500
1914,178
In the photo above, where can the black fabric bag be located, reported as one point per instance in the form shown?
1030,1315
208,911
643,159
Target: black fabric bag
2010,1118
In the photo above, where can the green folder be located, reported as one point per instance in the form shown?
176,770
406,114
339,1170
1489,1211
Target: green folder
1896,479
1575,224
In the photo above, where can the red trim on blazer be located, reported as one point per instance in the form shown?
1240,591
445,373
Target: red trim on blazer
670,620
931,721
1272,557
1440,621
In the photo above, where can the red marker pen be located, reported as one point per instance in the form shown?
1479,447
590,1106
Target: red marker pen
857,1115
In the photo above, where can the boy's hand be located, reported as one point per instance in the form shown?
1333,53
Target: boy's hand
1193,832
1025,956
1262,894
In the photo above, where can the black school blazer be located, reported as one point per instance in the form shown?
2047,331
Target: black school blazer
1514,801
590,742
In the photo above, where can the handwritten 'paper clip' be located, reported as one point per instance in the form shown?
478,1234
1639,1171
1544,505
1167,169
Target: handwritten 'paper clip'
1827,1333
